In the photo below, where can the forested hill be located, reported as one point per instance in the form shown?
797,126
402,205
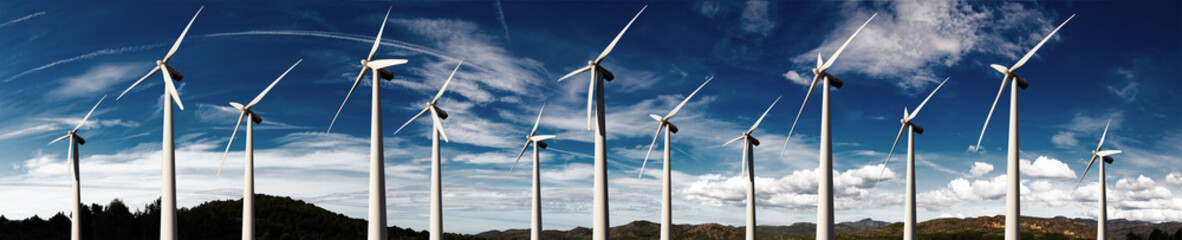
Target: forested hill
286,218
275,218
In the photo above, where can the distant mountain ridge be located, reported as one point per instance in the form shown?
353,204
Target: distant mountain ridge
286,218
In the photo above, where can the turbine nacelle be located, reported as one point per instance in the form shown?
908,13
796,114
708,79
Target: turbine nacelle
833,80
754,141
439,112
79,139
541,144
607,75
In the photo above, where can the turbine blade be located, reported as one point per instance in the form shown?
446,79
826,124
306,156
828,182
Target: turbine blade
1000,68
58,139
650,149
1085,172
522,153
832,58
1102,136
137,82
378,41
987,117
438,124
351,89
1108,152
1035,49
888,158
182,37
445,83
171,88
819,62
769,109
802,104
412,119
268,89
580,70
88,114
733,140
614,41
231,142
687,98
540,138
537,121
925,100
590,96
384,63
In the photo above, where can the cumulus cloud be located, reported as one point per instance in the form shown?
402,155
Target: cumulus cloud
1044,167
794,191
910,38
961,190
979,169
1175,178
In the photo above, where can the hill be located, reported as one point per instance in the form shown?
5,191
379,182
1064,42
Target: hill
287,218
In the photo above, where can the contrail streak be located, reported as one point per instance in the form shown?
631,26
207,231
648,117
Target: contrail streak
110,51
22,19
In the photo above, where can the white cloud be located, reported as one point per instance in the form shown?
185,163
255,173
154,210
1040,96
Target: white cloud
1128,92
960,190
1064,139
794,191
98,79
912,40
1175,178
1044,167
979,169
796,78
756,18
1141,183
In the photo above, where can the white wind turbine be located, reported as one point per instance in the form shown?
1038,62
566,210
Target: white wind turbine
248,175
912,129
72,166
598,74
1013,210
666,182
377,170
749,165
825,190
1102,222
168,170
437,115
535,231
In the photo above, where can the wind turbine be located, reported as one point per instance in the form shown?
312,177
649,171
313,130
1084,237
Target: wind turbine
168,170
248,176
535,231
1102,223
825,190
666,182
1013,212
749,163
377,169
598,73
72,162
912,129
437,115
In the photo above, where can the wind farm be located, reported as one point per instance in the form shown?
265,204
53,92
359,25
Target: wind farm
483,70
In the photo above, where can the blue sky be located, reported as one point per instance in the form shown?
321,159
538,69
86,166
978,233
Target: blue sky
1114,60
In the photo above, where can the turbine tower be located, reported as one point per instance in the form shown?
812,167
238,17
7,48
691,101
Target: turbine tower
666,182
1102,212
72,166
598,74
377,169
535,230
437,116
749,165
248,175
168,168
909,232
1013,210
825,188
